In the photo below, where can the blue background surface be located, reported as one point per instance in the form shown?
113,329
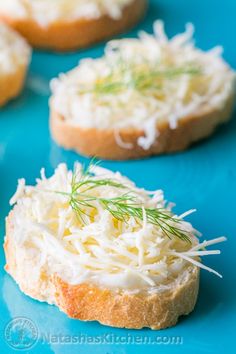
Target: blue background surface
203,177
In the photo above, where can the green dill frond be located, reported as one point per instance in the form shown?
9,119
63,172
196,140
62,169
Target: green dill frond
123,207
86,171
142,78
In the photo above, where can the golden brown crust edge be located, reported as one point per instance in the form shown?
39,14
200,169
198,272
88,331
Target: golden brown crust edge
11,84
72,35
103,144
90,303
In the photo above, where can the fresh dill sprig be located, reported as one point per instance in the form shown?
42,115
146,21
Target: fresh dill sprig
122,207
121,210
87,182
142,79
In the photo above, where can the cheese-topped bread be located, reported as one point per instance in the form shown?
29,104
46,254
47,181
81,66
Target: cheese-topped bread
15,55
68,25
100,248
145,96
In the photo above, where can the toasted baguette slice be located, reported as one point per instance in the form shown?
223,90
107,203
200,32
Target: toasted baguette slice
68,35
103,143
144,97
14,61
135,272
88,302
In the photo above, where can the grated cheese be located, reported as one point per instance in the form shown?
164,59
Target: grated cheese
75,97
14,51
46,12
103,251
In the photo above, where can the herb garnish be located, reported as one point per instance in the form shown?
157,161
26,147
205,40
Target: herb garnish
122,207
142,78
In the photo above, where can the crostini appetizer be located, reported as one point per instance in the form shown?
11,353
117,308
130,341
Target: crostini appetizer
100,248
15,55
68,25
145,96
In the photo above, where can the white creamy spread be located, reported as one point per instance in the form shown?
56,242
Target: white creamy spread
14,51
101,250
46,12
140,82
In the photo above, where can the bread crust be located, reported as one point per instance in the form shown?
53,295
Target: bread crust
72,35
87,302
103,143
11,84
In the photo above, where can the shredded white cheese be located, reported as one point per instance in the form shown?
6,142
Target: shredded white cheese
45,12
76,95
100,250
14,51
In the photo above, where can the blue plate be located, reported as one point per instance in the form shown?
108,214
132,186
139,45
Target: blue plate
203,177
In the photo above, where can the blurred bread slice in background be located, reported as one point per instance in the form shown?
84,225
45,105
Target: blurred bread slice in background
15,55
64,25
146,96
